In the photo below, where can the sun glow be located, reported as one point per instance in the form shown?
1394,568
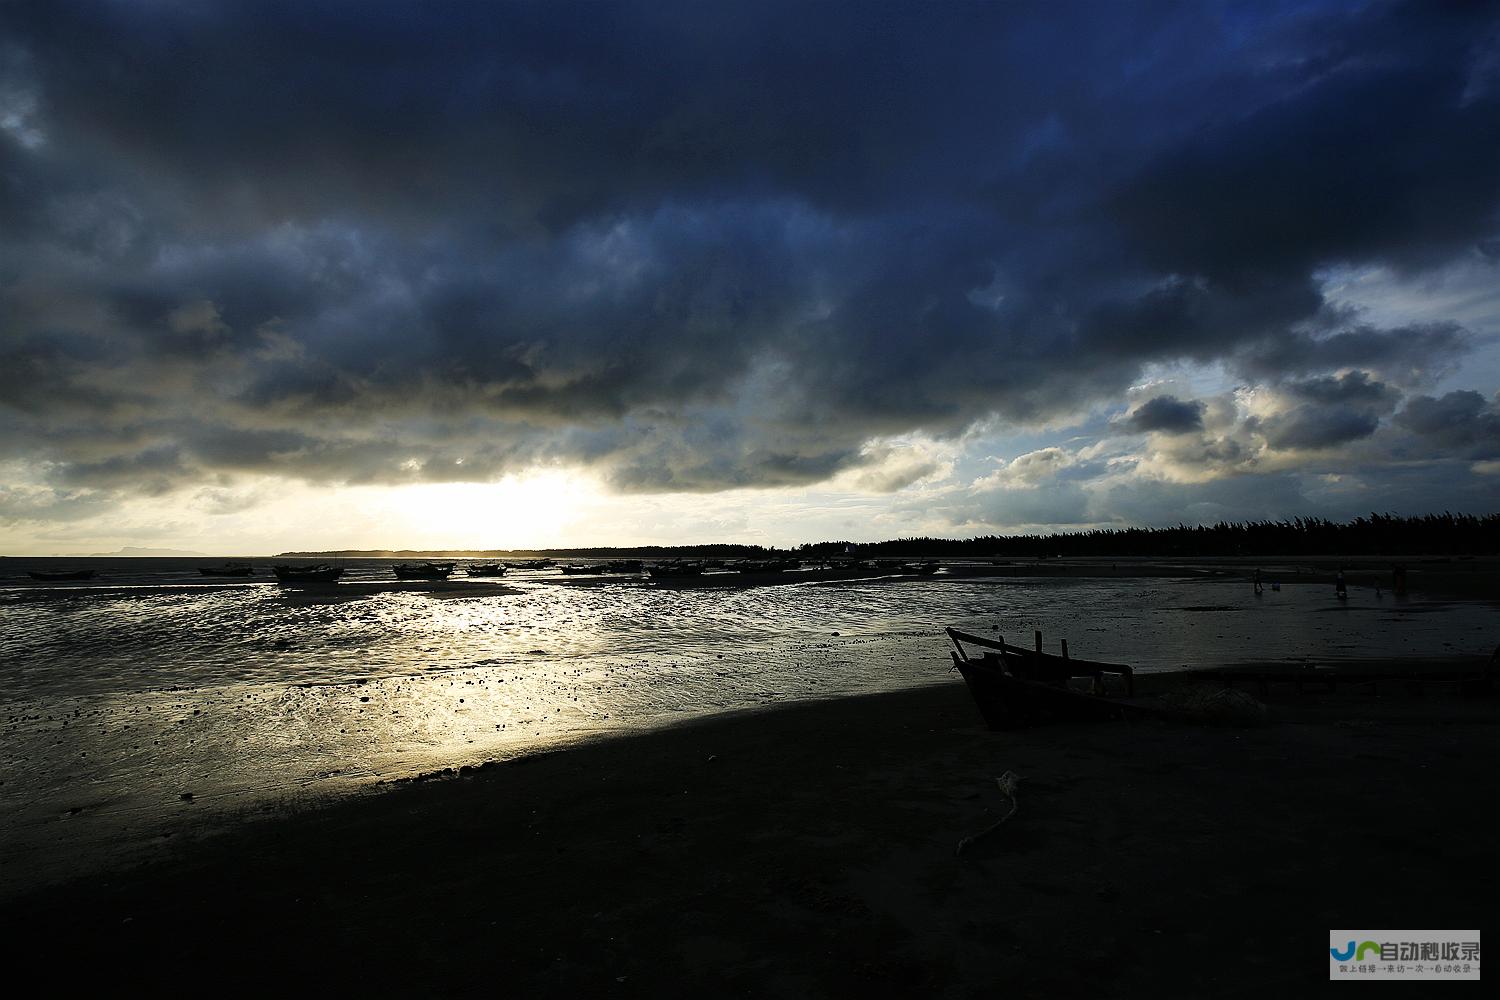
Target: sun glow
517,512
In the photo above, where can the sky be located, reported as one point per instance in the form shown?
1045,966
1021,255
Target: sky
383,275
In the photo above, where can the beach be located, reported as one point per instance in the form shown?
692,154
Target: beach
810,850
125,695
917,500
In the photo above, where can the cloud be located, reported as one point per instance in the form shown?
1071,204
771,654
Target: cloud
1324,412
698,248
1350,388
1036,466
1167,415
1463,422
1413,354
31,505
1312,177
1311,427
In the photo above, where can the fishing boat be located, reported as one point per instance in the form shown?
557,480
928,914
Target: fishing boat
624,566
767,566
582,570
670,570
854,568
422,571
1016,687
75,574
486,569
321,573
228,569
536,564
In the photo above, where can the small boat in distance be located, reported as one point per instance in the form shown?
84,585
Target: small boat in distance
308,574
675,569
228,569
597,569
535,564
423,571
768,566
486,569
75,574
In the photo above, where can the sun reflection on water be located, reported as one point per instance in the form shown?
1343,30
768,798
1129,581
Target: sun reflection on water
124,700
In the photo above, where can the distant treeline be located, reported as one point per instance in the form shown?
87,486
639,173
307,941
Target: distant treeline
1376,535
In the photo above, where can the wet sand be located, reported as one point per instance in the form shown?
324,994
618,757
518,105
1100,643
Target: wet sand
810,851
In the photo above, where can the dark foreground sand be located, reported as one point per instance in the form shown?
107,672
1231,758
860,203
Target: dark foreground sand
810,852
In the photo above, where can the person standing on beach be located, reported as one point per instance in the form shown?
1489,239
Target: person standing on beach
1258,588
1339,590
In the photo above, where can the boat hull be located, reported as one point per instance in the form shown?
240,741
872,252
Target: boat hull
1015,687
441,572
294,574
1007,702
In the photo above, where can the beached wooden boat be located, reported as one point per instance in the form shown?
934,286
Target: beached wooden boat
76,574
422,571
486,569
1016,687
597,569
228,569
307,574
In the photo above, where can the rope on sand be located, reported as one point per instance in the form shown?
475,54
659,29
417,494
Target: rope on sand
1008,783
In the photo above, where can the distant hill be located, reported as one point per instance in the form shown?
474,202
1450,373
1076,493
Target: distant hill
134,551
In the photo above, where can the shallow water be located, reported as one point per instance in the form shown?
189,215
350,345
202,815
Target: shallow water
122,694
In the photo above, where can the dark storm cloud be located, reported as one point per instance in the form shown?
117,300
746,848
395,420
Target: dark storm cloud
1317,427
1345,170
1412,353
1334,411
1167,414
1351,388
1463,422
702,246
